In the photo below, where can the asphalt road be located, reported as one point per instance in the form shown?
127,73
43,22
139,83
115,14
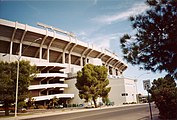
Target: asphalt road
139,112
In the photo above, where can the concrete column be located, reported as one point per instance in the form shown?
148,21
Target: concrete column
40,53
69,56
63,58
114,71
40,93
20,50
69,62
10,54
83,55
47,90
45,104
48,51
107,68
81,61
12,39
99,55
85,60
88,55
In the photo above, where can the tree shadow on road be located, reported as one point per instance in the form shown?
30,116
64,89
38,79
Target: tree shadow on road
154,117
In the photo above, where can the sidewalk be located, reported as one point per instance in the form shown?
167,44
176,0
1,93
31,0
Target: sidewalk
49,112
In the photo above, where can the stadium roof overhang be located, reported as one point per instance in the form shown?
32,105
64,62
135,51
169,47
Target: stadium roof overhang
54,42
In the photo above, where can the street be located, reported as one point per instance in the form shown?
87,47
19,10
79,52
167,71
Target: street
139,112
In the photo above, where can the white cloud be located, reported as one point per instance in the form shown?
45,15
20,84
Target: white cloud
104,40
101,40
97,39
82,33
134,10
95,2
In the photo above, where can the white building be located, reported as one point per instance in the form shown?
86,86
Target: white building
59,55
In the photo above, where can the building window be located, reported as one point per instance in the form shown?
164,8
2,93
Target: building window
110,70
117,72
124,94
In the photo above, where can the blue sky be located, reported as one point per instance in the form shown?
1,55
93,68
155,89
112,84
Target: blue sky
100,22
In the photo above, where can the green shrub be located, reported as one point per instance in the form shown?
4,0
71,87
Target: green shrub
125,103
69,105
164,93
40,107
74,105
21,104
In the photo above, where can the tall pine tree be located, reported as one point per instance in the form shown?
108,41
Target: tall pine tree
92,83
154,44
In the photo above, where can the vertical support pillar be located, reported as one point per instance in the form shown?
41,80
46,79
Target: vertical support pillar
85,60
21,41
11,43
69,62
88,55
40,53
48,51
63,58
107,68
10,54
47,83
69,56
20,50
81,61
64,51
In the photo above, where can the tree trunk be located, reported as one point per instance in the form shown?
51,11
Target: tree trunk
6,107
94,101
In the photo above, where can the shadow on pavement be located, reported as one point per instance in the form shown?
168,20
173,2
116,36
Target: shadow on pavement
154,117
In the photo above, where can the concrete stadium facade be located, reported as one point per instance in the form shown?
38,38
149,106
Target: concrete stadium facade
59,55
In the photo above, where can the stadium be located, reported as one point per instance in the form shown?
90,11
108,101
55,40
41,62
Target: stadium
58,55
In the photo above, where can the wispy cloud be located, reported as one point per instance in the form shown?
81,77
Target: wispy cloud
109,19
95,2
101,40
104,40
35,9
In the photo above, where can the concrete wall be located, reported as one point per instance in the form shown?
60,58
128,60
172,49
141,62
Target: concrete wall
117,88
130,88
73,90
120,86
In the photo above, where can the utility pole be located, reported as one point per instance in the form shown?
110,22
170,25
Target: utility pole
146,84
149,104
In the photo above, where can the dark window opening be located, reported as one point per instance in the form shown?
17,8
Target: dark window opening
124,94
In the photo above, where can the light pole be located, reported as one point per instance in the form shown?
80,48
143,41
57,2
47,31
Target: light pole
18,65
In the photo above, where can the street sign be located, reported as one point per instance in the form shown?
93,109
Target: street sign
146,84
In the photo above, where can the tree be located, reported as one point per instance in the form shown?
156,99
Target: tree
8,78
53,102
92,83
30,102
164,93
155,40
